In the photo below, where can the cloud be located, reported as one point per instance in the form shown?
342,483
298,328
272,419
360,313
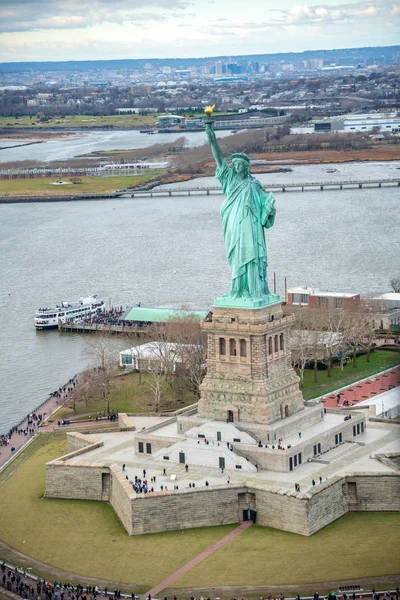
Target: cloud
305,14
35,15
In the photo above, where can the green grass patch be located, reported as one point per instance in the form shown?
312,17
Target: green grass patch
264,556
132,397
83,121
123,121
15,187
84,537
379,362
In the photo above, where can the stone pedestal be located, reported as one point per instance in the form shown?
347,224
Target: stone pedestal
249,374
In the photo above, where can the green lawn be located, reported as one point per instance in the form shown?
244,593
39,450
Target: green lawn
84,537
357,545
15,187
79,121
380,360
68,534
132,398
128,121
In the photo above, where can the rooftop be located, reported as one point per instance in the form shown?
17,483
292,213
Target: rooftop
316,292
161,315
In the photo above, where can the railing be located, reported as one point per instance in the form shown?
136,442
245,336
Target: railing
271,186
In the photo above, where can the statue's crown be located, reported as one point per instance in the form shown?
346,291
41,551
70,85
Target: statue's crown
241,155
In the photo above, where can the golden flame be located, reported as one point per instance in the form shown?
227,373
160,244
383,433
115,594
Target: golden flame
209,109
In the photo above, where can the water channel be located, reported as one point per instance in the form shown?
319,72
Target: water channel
169,252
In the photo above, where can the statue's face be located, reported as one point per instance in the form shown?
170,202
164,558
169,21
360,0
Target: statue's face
240,165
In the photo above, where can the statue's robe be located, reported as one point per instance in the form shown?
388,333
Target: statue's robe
246,210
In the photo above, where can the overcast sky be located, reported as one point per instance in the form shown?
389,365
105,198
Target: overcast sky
104,29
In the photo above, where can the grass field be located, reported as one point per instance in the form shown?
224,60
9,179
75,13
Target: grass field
380,360
357,545
79,121
133,398
69,534
15,187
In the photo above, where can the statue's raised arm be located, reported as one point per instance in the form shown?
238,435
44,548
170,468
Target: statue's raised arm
212,140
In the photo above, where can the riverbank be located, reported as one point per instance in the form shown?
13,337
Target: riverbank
74,188
29,135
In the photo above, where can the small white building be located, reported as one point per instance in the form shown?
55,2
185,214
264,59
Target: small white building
156,356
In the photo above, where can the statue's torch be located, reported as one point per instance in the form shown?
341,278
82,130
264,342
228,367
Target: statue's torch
208,120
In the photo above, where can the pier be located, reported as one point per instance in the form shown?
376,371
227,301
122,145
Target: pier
74,327
273,187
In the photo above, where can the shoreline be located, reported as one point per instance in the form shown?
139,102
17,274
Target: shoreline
47,408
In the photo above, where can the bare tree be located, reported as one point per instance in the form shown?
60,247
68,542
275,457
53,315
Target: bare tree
135,342
332,321
395,284
102,351
191,349
157,384
73,400
85,386
299,344
354,326
306,340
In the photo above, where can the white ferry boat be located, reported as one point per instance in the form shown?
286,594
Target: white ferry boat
47,318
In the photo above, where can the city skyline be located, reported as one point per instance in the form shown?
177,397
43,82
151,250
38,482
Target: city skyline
99,29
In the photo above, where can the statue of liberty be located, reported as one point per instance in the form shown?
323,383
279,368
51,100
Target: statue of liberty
246,210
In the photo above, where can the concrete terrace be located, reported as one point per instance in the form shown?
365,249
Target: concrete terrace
119,448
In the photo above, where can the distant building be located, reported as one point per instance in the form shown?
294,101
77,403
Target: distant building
141,89
360,123
387,301
386,319
219,68
383,122
194,123
167,120
313,298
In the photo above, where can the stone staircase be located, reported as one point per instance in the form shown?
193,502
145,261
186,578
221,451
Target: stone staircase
204,455
228,432
336,453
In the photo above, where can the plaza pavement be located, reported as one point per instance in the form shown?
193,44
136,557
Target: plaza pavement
119,448
364,389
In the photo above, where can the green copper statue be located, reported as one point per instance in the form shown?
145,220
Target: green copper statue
246,211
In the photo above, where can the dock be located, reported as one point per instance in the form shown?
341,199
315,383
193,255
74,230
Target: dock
74,327
273,187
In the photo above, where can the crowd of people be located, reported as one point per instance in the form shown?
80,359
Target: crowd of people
106,317
29,426
30,587
66,390
33,421
141,485
279,445
34,588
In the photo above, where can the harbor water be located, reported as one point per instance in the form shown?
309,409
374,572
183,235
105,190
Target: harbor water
169,252
85,142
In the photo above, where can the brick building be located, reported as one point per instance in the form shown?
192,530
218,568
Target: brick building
313,298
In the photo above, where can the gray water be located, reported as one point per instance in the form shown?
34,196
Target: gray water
168,252
83,143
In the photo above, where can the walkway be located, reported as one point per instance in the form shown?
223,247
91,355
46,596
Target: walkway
46,409
364,389
196,560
